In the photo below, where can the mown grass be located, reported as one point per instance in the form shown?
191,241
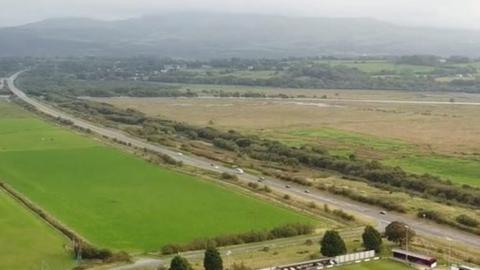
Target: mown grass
117,200
377,265
28,243
457,170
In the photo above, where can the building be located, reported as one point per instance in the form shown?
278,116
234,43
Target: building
326,263
415,258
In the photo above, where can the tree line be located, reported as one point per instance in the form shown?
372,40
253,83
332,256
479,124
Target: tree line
331,245
288,73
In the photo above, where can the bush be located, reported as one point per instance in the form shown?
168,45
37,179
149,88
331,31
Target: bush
340,213
87,251
225,144
467,221
288,230
179,263
253,185
228,176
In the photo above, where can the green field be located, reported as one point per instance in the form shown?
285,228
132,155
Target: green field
28,243
377,265
461,171
397,152
354,139
457,170
117,200
338,142
379,66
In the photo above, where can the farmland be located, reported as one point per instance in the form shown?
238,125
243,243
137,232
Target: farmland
28,243
421,138
119,201
379,66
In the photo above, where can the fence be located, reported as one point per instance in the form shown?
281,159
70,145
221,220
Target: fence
352,257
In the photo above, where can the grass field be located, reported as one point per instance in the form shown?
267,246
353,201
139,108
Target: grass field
28,243
463,171
377,265
378,66
352,139
117,200
413,136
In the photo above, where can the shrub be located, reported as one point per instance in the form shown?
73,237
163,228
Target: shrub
467,221
228,176
253,185
340,213
288,230
179,263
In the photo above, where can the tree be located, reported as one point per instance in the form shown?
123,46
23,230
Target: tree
372,239
332,244
179,263
212,259
398,231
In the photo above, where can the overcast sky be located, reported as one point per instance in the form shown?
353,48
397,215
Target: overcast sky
437,13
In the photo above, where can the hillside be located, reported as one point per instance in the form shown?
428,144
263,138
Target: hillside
202,35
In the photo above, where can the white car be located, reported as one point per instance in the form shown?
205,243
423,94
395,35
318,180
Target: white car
239,171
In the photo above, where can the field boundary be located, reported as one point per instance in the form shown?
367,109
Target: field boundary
44,215
203,175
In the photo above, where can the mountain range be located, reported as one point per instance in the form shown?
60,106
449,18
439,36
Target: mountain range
204,35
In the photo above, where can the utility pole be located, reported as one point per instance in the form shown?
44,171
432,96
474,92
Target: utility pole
406,241
449,251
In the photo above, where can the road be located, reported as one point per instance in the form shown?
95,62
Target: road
347,100
153,263
371,212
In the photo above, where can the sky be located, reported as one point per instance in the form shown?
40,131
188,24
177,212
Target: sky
430,13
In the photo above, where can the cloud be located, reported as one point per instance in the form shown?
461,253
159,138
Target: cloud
440,13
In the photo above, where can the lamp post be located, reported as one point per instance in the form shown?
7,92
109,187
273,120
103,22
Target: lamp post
406,241
449,250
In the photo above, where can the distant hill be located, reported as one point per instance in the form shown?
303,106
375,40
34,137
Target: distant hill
203,36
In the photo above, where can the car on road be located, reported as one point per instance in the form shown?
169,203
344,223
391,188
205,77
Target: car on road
239,171
179,153
306,191
383,213
287,186
261,179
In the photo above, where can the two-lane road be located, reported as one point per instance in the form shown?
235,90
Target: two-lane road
371,212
